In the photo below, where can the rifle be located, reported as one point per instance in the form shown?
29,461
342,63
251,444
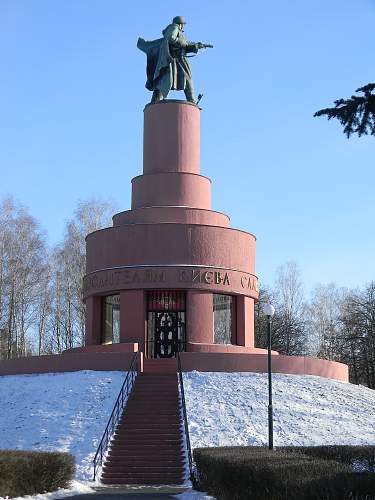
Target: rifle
204,45
199,46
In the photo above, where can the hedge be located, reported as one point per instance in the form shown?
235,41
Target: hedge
256,473
360,458
30,472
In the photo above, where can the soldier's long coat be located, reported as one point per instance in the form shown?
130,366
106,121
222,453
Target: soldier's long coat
167,66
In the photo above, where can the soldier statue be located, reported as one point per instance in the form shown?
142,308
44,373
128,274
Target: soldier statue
167,65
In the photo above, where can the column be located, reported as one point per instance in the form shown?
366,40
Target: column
245,321
132,316
199,318
93,320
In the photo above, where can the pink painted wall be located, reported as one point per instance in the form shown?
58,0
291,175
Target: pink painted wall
201,361
67,363
171,138
171,189
105,348
230,362
226,348
146,244
178,215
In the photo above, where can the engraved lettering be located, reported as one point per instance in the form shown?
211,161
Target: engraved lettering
218,278
226,279
182,276
148,277
207,277
196,276
160,276
135,278
126,277
110,279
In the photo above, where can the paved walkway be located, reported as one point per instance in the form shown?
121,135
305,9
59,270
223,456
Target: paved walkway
144,493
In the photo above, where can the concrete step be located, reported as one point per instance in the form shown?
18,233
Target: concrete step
148,435
152,456
156,431
145,468
148,442
155,402
148,420
165,477
151,448
149,426
133,461
153,394
130,420
158,366
143,411
145,481
147,447
155,390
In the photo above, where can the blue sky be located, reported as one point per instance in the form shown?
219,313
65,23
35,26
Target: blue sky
72,94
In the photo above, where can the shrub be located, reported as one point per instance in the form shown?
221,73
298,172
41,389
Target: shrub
29,472
358,457
238,473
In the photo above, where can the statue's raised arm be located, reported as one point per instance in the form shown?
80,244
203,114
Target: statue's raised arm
167,65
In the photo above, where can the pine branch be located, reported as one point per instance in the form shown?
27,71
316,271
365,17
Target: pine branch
357,114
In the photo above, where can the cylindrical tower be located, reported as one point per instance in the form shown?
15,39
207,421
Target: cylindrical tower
171,272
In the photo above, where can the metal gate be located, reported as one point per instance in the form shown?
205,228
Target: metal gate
166,324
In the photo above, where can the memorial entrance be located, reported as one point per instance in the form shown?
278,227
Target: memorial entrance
165,324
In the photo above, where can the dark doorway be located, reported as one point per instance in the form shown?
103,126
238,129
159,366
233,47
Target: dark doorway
166,324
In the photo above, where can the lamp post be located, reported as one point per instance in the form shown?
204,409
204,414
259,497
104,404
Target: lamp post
269,311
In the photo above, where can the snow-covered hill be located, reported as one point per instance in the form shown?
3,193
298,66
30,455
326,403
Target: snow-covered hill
69,411
231,409
58,412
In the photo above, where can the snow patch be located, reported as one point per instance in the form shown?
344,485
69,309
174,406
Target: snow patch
230,409
58,412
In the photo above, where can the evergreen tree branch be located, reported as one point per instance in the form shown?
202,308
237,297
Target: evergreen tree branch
357,114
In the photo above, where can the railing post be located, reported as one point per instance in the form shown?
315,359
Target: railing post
186,426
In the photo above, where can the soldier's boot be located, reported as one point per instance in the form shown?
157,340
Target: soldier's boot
156,96
189,92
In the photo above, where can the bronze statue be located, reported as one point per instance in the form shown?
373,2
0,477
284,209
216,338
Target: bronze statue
167,65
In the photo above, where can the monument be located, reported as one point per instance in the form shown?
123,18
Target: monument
168,67
171,276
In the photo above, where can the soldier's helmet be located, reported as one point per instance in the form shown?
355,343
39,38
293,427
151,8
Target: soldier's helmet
179,20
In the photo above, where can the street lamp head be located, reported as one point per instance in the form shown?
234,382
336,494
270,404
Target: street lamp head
268,310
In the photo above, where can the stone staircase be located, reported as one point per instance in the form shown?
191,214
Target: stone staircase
147,447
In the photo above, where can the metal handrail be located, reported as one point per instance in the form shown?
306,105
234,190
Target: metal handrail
188,447
121,400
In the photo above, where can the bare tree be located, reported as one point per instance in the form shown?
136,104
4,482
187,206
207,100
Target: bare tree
358,334
289,333
289,325
69,267
22,258
325,311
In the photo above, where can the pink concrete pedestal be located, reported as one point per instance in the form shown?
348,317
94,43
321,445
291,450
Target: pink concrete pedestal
171,242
